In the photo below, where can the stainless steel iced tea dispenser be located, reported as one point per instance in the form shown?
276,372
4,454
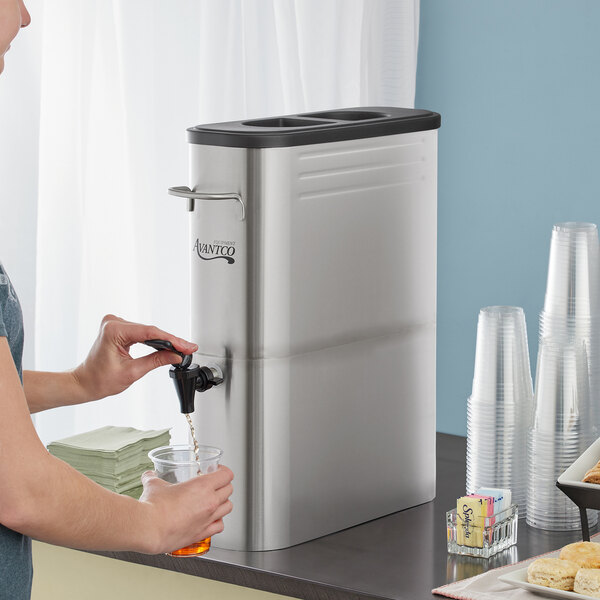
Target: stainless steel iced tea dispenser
313,278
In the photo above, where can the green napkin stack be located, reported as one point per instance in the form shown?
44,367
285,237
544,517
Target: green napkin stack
114,457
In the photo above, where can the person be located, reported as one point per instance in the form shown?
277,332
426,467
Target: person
42,497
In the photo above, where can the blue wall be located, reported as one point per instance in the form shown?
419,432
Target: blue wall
518,86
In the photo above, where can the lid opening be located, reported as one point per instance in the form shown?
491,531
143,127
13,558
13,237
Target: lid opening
348,115
282,122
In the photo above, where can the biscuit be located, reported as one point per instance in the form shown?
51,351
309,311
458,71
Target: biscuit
585,554
587,582
593,475
553,572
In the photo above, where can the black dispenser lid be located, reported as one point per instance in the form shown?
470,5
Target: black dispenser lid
315,128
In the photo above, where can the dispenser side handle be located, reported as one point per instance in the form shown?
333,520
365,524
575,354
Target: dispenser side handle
185,192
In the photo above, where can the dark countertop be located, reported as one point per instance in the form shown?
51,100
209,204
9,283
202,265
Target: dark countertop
401,556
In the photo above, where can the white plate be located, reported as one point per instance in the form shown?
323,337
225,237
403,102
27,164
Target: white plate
518,578
575,473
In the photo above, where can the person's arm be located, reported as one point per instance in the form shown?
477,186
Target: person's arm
109,368
44,390
45,498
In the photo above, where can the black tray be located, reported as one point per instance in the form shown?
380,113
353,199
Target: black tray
584,495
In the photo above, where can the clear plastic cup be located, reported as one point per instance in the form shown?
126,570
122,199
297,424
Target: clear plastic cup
500,408
567,391
562,392
562,429
547,507
573,285
569,329
501,356
177,464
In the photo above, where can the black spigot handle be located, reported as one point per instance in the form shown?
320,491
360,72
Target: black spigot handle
188,378
186,359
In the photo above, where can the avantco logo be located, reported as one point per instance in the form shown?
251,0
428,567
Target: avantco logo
215,250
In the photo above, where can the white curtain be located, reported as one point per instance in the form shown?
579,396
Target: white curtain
121,81
19,135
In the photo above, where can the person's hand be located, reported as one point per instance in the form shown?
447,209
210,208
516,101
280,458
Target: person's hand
186,513
109,368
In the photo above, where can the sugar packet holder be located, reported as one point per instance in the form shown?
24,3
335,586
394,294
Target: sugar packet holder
482,536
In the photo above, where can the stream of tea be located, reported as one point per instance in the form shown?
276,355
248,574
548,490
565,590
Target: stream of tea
193,432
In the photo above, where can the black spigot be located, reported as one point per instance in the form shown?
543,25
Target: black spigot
188,378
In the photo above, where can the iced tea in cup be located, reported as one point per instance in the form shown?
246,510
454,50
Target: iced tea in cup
180,463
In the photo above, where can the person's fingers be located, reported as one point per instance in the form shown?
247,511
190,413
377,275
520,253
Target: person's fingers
215,527
111,317
131,333
213,481
224,492
150,477
222,477
139,367
223,509
125,333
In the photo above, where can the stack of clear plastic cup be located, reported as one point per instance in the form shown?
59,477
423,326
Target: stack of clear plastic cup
561,431
572,304
567,412
500,408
